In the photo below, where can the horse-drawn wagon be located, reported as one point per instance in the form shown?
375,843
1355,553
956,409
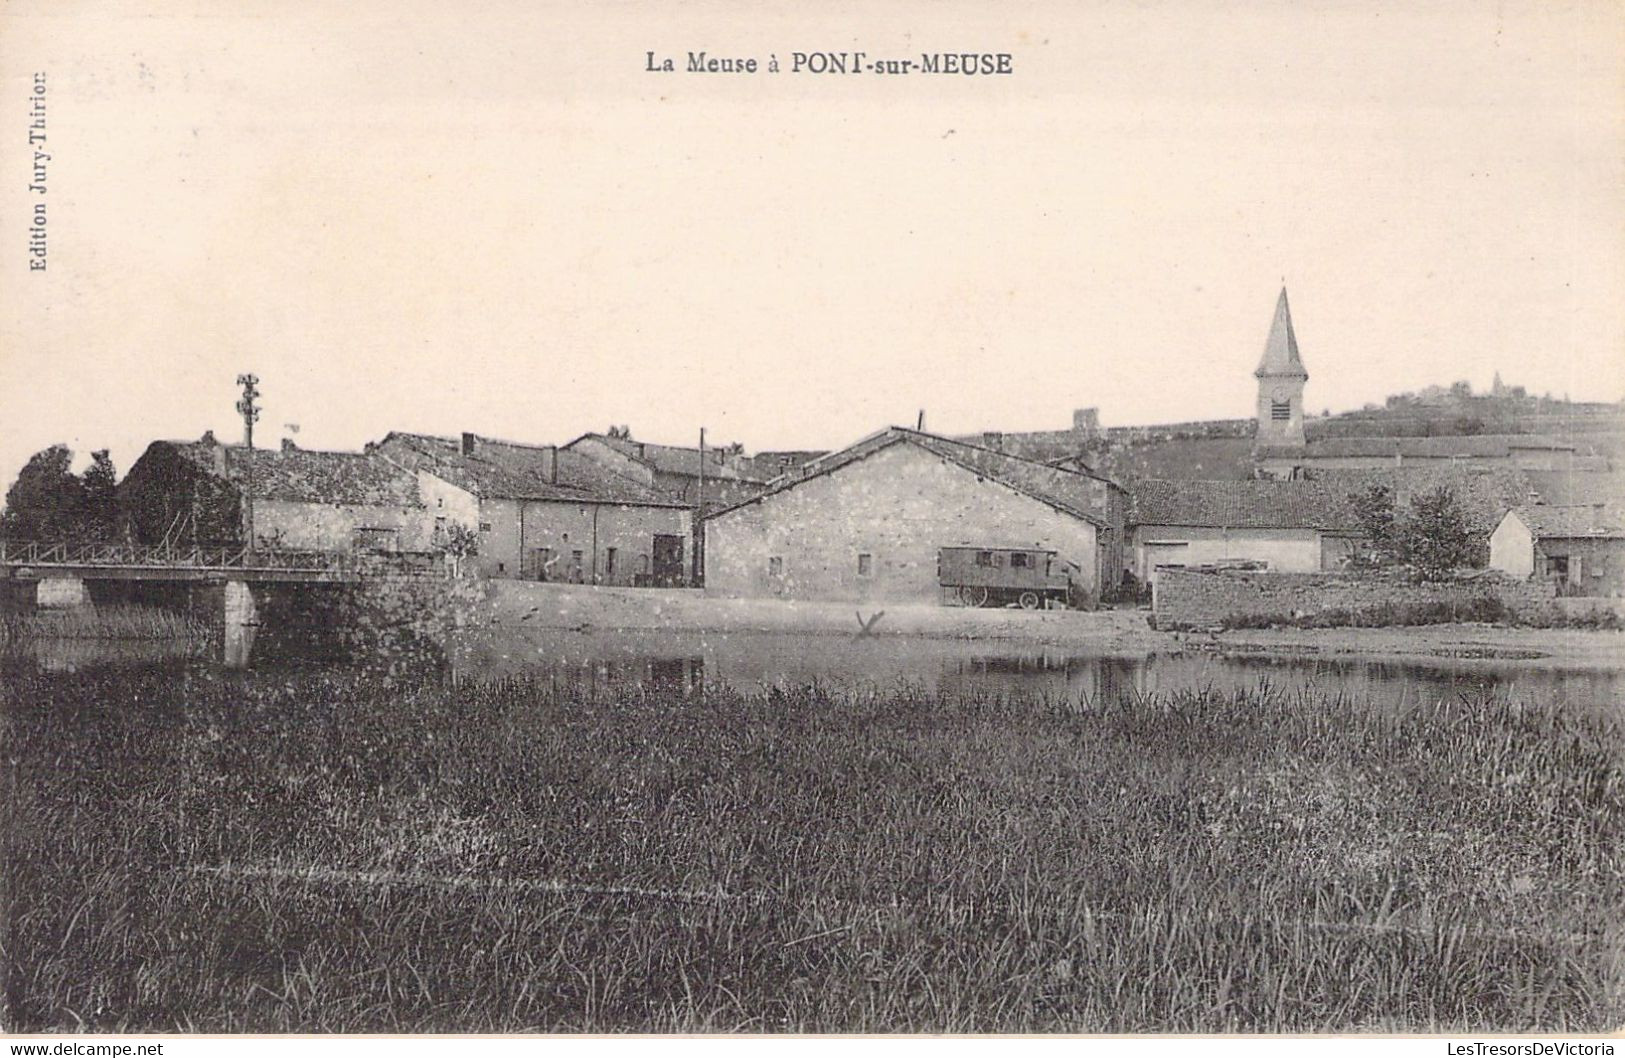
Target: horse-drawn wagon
1000,576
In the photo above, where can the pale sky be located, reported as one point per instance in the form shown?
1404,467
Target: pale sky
489,217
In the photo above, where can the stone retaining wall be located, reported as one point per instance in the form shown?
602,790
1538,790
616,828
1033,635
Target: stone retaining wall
1196,598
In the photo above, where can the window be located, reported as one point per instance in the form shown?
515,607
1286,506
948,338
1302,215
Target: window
485,527
1281,410
985,558
1557,565
609,561
1020,560
865,565
775,566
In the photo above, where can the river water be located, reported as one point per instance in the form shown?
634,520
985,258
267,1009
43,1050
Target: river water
608,663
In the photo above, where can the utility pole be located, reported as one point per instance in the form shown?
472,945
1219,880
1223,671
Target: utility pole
699,517
250,412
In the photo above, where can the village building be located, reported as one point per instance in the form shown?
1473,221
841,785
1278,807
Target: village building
765,466
1580,547
195,492
1281,526
716,477
874,521
545,513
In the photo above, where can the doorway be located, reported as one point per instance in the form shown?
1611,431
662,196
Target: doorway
668,561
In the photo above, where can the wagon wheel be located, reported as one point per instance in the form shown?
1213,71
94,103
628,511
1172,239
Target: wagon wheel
973,596
1029,600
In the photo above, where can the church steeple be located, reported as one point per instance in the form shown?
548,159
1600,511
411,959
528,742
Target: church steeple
1281,377
1281,350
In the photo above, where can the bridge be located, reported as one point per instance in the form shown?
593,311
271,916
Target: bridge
227,583
34,559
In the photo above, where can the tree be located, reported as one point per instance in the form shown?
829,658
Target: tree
1433,538
1430,536
1374,510
101,515
47,501
459,543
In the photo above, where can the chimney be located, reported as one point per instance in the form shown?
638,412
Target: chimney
552,463
1086,420
288,445
208,438
468,444
219,454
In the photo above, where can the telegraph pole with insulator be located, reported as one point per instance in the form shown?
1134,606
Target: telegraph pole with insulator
250,412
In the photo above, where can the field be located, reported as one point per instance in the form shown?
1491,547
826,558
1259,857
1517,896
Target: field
322,851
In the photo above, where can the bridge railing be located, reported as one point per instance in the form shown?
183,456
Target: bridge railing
178,556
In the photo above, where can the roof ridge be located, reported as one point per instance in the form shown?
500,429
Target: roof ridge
1003,454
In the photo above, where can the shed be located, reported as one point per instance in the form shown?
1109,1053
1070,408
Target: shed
1580,547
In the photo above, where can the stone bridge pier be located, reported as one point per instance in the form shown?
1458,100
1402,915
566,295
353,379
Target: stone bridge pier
242,620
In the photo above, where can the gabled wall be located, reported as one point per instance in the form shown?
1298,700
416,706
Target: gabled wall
1512,547
899,506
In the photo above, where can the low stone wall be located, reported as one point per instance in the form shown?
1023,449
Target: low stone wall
1196,598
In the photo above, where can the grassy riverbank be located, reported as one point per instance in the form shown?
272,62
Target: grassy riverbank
322,852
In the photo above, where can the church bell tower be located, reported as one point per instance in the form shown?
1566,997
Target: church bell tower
1280,384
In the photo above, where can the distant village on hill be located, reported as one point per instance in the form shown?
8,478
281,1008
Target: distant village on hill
1102,509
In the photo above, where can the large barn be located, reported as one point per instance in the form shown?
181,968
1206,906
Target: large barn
872,521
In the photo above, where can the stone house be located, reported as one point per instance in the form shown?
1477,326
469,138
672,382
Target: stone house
193,492
1581,548
548,513
1283,526
868,522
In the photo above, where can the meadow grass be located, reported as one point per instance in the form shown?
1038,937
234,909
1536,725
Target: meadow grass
323,851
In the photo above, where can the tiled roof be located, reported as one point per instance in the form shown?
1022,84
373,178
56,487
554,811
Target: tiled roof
673,459
1485,492
1573,522
507,470
1577,486
1067,491
307,476
1244,505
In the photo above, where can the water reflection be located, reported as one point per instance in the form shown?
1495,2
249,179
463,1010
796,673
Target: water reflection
64,654
601,662
596,664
